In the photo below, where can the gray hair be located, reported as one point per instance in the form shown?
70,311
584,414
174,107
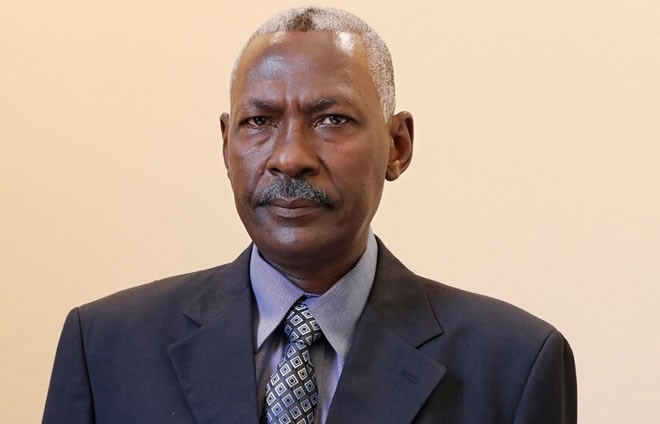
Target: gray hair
329,19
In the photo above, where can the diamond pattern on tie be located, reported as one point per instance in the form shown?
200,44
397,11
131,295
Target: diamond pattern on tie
291,392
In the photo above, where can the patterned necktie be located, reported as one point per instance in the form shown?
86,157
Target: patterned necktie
291,392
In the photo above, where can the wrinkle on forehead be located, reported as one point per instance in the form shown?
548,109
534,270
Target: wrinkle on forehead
345,42
265,57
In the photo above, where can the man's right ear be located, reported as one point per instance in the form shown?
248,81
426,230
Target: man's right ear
401,146
224,129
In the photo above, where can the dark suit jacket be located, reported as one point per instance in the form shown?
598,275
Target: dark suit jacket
181,350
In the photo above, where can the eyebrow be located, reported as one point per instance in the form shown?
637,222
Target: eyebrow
325,103
314,106
262,105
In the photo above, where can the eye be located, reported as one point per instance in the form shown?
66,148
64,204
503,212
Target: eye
333,120
257,121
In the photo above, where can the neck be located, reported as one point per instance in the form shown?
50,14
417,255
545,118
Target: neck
313,275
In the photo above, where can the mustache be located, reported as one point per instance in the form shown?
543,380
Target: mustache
290,188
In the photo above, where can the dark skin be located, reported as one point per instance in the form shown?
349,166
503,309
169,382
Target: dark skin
304,106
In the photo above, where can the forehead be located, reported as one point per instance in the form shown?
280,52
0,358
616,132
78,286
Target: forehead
309,61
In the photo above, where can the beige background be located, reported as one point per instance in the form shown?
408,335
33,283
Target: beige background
536,176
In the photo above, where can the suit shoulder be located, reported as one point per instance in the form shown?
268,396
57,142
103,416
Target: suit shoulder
167,293
468,312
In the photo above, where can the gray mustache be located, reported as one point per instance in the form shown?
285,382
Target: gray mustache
288,188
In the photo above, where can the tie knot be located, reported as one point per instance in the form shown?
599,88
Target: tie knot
300,325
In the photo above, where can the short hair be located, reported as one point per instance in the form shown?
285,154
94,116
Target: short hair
315,18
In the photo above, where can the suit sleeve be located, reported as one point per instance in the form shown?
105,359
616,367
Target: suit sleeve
550,393
69,399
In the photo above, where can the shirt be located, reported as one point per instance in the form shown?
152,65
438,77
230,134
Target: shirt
336,311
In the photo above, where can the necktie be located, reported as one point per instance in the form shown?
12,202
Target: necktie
291,392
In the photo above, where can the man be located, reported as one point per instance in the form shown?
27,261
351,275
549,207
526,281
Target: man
316,322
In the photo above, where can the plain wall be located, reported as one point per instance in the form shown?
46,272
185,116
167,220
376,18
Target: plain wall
535,179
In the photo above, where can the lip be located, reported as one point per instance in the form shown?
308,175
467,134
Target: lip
296,203
292,208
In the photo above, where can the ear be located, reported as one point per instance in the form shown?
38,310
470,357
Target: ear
401,132
224,129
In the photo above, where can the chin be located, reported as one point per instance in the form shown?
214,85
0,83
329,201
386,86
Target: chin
296,243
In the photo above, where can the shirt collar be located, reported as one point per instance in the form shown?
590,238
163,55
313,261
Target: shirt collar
336,311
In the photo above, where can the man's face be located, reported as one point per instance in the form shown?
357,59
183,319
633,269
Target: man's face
304,108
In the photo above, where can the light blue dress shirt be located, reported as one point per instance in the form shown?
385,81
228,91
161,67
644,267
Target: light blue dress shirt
336,311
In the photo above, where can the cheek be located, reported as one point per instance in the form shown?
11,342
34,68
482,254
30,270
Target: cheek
362,173
247,176
241,185
243,170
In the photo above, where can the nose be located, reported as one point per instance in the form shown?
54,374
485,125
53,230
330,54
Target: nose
294,154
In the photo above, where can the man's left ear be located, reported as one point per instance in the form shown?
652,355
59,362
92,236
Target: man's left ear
224,130
401,133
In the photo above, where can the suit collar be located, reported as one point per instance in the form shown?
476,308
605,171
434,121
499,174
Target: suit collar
215,362
229,282
400,300
386,378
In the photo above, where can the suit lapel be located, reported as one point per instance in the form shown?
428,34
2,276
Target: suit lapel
386,379
215,363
